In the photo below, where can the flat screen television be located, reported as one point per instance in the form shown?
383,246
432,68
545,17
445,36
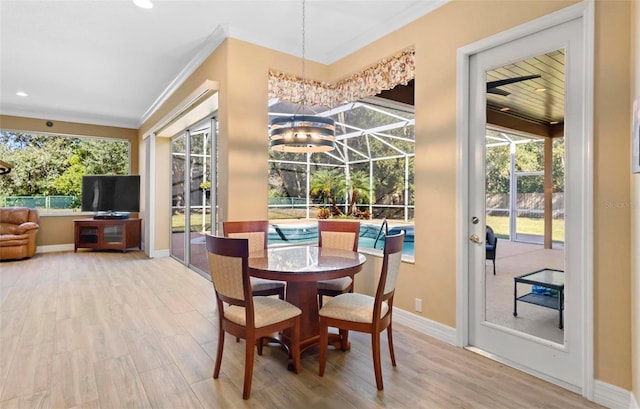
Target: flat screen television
111,196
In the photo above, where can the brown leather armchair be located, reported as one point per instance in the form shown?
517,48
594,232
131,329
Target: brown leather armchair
18,231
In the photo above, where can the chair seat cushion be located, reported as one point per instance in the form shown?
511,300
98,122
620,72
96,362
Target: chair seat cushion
267,311
260,284
337,284
352,307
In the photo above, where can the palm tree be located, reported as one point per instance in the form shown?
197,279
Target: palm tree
328,184
359,187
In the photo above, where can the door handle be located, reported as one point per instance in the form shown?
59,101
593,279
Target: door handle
474,238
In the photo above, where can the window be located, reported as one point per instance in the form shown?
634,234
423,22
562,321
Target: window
47,169
374,159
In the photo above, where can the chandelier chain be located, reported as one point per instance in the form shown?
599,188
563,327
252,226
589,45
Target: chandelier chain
304,76
302,133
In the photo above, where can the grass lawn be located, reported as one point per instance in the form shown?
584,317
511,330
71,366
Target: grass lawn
177,222
500,225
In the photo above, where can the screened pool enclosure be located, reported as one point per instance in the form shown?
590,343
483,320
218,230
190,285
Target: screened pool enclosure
370,174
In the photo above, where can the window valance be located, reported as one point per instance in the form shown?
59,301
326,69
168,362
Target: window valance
385,75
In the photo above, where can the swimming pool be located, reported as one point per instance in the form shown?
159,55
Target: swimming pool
307,233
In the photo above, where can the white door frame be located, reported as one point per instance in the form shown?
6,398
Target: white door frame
585,11
149,177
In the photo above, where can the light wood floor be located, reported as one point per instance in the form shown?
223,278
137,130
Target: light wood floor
112,330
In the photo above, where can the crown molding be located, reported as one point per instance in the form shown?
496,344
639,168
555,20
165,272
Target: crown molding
209,45
367,37
67,116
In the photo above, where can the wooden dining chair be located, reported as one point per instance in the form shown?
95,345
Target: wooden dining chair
343,235
363,313
257,232
242,314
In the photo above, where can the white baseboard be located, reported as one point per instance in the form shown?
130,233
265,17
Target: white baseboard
426,326
54,248
160,253
612,396
69,247
605,394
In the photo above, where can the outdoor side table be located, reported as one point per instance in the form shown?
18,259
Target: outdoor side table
546,278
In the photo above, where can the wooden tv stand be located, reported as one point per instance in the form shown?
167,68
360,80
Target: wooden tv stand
107,234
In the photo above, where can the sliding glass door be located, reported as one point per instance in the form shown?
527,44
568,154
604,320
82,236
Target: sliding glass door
193,193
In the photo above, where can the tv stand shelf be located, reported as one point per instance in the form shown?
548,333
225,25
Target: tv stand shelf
107,234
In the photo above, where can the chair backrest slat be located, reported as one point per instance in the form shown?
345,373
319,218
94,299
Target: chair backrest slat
339,234
256,240
226,274
393,268
390,266
228,266
257,232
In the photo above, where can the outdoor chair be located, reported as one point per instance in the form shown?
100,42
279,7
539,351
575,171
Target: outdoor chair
342,235
242,314
363,313
491,245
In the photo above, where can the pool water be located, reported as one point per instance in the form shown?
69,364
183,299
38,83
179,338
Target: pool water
307,233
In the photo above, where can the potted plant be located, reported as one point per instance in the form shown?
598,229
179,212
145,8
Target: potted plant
323,213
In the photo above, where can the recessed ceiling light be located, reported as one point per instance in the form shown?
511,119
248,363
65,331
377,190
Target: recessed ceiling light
505,109
554,123
541,89
22,94
143,4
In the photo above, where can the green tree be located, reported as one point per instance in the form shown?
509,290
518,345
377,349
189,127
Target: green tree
37,160
497,169
388,182
558,165
328,184
51,164
70,182
529,158
102,157
359,189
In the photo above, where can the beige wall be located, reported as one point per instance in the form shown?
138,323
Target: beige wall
58,230
611,194
214,68
240,70
635,207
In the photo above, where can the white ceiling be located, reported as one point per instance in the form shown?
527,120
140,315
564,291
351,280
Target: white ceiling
109,62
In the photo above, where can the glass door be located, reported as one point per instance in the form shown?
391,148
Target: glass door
201,188
193,194
528,313
178,189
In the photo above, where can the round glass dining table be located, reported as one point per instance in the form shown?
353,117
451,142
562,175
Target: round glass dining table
302,267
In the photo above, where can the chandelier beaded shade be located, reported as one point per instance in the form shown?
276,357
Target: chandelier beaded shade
302,133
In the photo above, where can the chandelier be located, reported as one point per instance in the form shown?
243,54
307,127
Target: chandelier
302,133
